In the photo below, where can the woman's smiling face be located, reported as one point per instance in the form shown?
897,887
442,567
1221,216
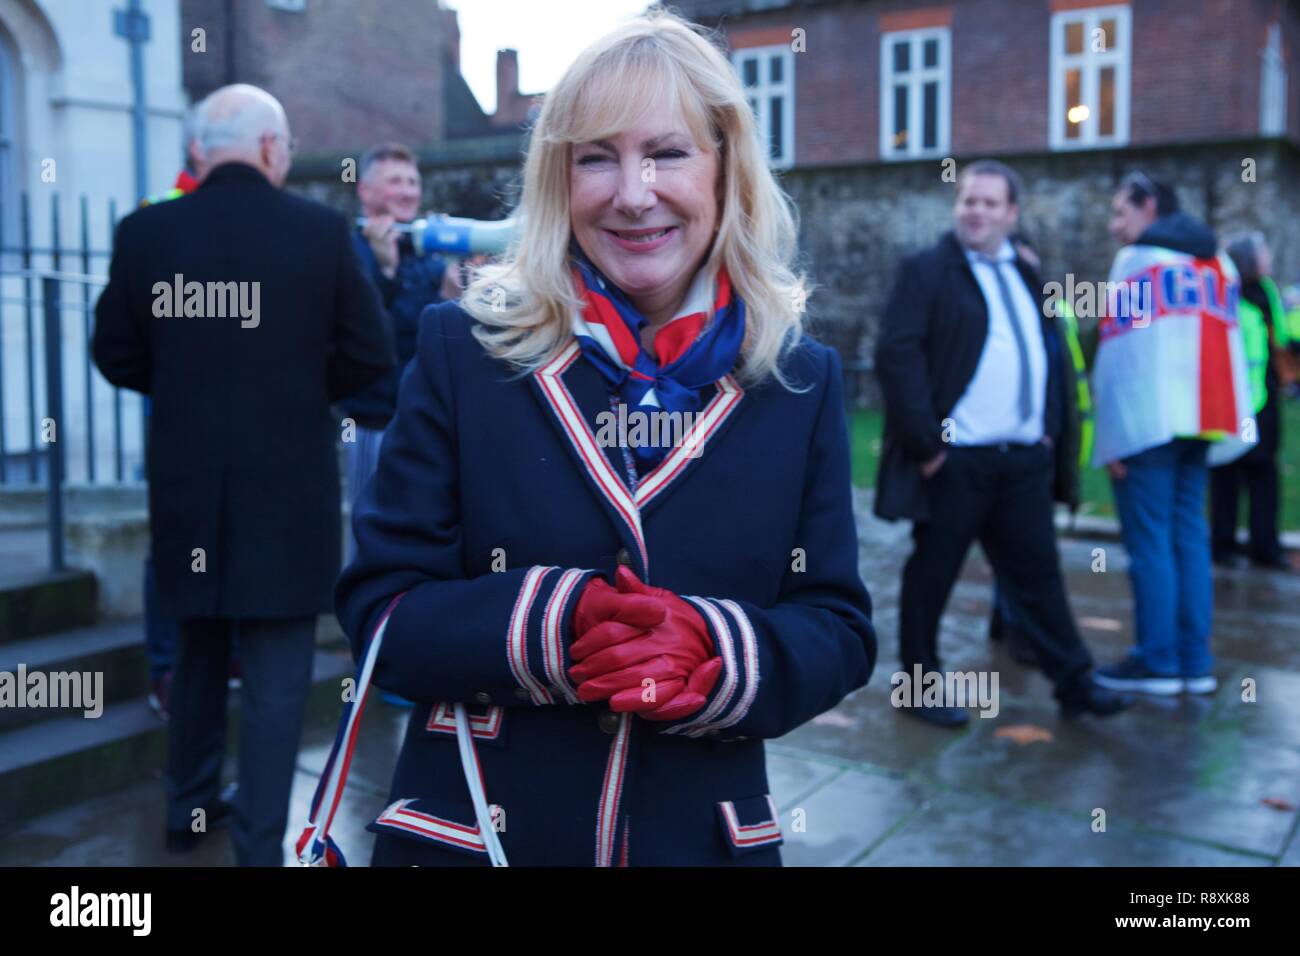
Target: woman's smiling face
644,207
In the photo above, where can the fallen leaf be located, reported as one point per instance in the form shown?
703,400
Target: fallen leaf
1101,623
1025,734
1277,803
832,719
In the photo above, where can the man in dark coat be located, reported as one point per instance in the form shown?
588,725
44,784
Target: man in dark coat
980,436
242,312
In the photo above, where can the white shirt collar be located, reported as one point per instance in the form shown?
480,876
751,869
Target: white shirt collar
1006,253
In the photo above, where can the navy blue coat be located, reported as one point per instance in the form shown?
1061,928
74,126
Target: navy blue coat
414,288
491,508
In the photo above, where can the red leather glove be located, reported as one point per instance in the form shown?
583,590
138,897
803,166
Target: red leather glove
615,656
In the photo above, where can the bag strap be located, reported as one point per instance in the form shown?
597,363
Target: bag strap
315,846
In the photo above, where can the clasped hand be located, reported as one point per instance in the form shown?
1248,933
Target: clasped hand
629,633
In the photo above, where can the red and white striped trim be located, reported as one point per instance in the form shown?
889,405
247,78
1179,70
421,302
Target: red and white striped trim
579,434
517,635
332,791
706,426
552,620
749,658
611,791
483,726
399,816
702,722
752,834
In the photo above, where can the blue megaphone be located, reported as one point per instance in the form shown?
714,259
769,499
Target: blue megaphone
453,236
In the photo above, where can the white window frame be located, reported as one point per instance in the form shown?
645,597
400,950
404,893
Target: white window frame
916,78
1090,65
1272,85
762,93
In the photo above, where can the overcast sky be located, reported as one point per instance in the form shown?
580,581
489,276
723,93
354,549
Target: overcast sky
547,33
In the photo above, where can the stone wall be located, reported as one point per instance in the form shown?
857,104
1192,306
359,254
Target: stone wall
473,178
856,222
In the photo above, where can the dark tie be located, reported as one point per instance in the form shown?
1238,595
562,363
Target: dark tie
1026,387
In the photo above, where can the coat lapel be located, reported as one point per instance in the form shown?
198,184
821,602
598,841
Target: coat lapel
710,422
575,399
573,415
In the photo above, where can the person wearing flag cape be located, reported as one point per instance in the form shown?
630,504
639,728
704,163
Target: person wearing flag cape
1172,395
599,638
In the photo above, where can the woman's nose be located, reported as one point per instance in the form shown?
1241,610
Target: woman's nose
635,194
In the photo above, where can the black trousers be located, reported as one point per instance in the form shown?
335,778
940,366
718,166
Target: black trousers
1257,471
275,656
1001,496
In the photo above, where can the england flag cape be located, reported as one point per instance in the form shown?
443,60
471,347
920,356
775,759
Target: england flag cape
1170,362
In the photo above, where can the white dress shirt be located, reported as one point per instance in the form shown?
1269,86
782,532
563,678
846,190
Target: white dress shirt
988,412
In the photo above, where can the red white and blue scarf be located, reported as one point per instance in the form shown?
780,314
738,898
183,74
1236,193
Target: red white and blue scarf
696,347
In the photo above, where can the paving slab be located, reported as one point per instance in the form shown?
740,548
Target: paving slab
841,820
961,829
1205,781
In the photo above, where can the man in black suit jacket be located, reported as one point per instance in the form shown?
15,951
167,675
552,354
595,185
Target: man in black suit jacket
242,311
979,427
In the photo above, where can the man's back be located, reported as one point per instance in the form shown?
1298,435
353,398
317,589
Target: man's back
242,312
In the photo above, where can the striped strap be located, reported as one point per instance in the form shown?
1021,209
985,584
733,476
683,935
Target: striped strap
314,846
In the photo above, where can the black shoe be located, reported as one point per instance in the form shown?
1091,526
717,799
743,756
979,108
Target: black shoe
1088,698
939,716
184,840
1229,560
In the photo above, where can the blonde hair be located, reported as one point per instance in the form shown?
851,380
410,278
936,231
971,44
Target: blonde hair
524,302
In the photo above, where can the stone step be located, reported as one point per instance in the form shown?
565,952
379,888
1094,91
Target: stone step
114,652
43,602
59,762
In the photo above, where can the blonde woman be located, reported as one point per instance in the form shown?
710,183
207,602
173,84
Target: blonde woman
611,524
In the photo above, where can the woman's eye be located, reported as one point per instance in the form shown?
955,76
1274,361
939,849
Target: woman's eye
670,154
590,159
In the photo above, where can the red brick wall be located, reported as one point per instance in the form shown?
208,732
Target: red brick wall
1291,50
831,76
1195,73
1000,78
349,74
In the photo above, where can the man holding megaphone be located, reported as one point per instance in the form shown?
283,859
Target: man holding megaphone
408,278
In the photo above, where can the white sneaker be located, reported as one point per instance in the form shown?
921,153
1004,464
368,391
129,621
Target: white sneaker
1200,685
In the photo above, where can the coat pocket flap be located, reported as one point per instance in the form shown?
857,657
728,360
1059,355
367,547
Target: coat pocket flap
486,724
750,824
448,823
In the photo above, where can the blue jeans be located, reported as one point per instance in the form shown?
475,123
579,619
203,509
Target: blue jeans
1161,504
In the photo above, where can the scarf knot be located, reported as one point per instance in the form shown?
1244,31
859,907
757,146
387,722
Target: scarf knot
695,348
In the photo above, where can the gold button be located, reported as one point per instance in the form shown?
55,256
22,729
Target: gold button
624,558
608,722
483,697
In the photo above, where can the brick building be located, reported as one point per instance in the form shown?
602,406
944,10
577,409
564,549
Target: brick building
862,81
349,74
861,101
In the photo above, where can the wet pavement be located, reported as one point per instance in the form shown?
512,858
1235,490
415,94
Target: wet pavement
1187,781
